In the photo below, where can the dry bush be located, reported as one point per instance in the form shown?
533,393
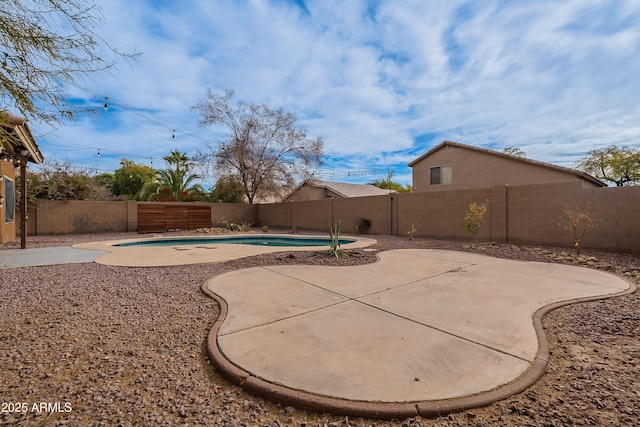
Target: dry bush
577,220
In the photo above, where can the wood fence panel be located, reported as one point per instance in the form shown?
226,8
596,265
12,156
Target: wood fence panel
176,217
200,217
160,217
151,218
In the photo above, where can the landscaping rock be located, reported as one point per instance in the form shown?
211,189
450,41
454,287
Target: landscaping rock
127,346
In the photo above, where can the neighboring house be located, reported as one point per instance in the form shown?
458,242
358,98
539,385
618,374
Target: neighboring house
17,147
274,197
451,166
313,189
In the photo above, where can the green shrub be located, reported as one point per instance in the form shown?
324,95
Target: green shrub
231,226
474,218
335,248
362,225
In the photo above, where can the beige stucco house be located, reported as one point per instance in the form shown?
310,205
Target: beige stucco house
17,147
452,165
313,189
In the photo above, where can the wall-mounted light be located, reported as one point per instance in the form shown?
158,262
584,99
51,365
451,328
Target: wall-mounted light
25,153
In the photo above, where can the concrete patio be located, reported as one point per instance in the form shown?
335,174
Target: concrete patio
415,333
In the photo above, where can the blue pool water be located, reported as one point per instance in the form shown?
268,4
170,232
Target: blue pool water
243,240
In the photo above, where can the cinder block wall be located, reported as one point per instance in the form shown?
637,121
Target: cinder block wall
377,209
530,214
88,216
233,212
620,228
132,215
439,214
320,214
275,215
312,215
536,215
77,217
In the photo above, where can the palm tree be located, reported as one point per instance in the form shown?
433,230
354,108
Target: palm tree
175,185
180,160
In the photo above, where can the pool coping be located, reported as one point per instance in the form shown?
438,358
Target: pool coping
200,253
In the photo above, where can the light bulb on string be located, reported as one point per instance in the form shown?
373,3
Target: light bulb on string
106,107
98,152
173,134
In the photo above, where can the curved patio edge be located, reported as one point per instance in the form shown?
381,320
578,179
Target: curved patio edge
387,410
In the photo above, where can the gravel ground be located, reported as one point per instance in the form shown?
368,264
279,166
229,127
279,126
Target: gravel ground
104,345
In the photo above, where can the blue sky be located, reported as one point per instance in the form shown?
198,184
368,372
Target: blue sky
381,82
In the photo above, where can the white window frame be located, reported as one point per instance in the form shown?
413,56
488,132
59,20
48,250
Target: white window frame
445,175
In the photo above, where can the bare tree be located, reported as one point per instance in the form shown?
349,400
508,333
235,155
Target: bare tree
262,146
66,181
43,45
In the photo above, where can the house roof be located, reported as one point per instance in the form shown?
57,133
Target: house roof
575,172
16,138
345,189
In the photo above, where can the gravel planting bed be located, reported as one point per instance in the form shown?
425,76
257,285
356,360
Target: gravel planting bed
110,346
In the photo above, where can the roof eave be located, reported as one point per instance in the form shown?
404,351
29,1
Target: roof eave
29,144
575,172
18,126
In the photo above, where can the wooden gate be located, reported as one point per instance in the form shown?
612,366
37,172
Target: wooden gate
161,217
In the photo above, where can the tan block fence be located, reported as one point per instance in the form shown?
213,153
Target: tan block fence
530,214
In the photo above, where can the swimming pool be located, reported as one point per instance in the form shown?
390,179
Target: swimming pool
277,241
163,250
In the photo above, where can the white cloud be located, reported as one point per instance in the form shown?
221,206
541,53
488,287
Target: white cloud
556,78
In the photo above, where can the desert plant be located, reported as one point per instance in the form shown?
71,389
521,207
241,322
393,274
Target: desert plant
577,220
362,225
265,229
231,226
475,217
335,248
413,231
245,226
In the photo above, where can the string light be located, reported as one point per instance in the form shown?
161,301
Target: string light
331,173
189,132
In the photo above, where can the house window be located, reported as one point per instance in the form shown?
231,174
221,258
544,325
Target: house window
9,199
440,175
